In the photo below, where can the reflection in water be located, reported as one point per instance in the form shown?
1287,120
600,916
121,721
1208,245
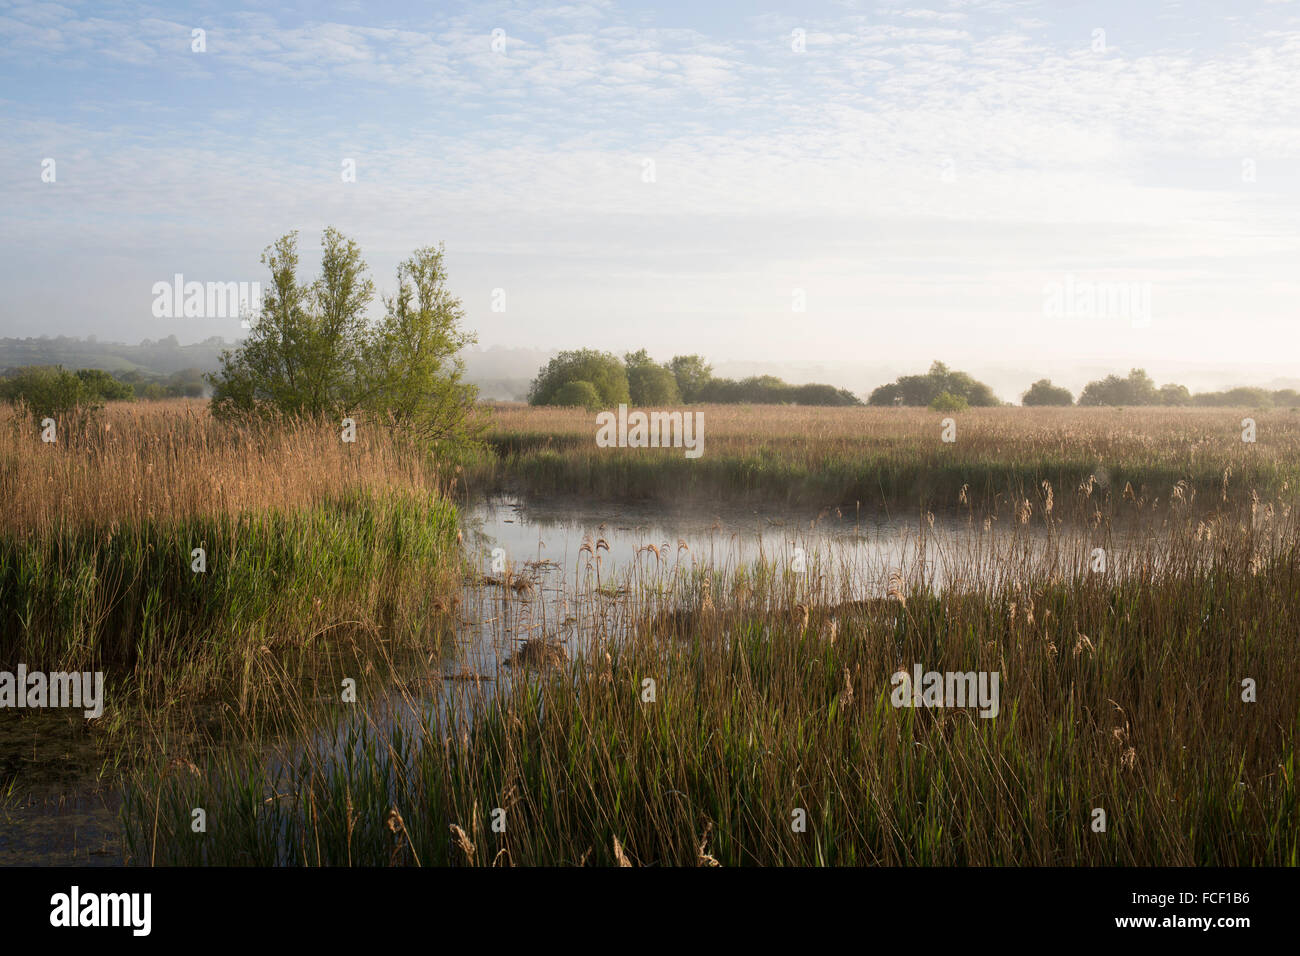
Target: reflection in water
566,572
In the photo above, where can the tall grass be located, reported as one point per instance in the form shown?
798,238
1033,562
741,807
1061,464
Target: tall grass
878,457
170,460
1120,692
308,540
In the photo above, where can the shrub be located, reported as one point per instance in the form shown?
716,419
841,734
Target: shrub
924,389
1043,392
603,370
104,386
948,402
692,374
650,383
51,391
1137,389
1175,395
578,393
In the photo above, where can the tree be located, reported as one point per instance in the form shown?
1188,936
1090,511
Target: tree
1175,395
770,390
604,371
948,402
412,369
1240,397
822,395
187,382
104,386
583,394
313,351
692,374
650,383
303,354
924,389
51,391
1043,392
1137,389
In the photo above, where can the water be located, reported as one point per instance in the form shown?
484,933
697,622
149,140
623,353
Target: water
576,573
55,806
570,552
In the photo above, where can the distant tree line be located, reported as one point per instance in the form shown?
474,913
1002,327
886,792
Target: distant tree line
159,358
187,383
1138,388
596,379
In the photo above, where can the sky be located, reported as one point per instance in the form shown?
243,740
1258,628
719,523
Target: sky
1049,184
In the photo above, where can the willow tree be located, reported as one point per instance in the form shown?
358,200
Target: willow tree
313,350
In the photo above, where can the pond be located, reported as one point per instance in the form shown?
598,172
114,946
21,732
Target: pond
573,573
561,569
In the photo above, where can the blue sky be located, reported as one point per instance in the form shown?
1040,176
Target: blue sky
916,175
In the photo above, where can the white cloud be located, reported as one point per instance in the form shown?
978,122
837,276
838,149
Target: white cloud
910,165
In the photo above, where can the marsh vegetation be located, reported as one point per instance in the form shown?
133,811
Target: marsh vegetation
1122,687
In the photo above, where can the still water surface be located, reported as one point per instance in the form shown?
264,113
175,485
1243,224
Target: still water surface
571,571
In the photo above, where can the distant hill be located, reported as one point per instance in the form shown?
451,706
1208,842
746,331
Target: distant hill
156,359
499,372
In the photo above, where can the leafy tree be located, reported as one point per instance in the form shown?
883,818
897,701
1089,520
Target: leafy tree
104,386
770,390
1241,397
314,352
948,402
924,389
1175,395
578,393
603,370
764,389
412,372
187,382
45,391
650,383
822,395
1137,389
721,391
1043,392
692,374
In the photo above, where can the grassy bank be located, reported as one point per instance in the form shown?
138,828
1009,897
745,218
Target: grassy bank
129,603
894,458
1122,694
306,542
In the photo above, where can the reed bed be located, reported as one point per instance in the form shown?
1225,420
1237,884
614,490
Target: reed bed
771,737
887,457
161,461
307,541
1121,692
